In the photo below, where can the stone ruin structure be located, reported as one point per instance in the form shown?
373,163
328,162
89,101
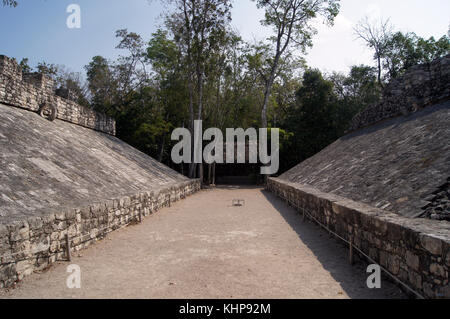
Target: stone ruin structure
385,186
421,86
65,180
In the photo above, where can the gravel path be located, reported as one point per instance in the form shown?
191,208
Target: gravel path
203,247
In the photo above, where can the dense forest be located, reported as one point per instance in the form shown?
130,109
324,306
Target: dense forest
195,66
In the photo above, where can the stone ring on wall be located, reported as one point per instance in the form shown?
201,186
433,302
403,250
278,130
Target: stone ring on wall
48,111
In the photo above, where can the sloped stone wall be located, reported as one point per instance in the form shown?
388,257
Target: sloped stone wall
439,207
38,242
32,91
421,86
396,165
417,252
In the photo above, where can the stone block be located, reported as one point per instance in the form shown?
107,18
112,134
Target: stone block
415,279
20,233
431,244
4,232
412,261
437,270
35,223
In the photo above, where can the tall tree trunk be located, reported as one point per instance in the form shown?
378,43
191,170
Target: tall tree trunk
161,151
191,127
379,70
187,21
265,106
268,90
200,114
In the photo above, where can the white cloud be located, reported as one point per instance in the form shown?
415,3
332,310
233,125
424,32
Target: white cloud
336,48
342,27
373,11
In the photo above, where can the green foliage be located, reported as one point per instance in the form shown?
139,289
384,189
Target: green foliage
24,66
162,53
102,85
395,52
311,119
48,69
322,111
359,89
291,21
197,67
72,81
406,50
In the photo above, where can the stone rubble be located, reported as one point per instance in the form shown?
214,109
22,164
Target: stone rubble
439,207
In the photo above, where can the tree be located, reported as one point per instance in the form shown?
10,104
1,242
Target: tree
355,92
259,63
24,66
395,52
406,50
360,86
431,49
198,26
48,69
130,69
291,21
102,85
169,83
376,36
313,119
75,85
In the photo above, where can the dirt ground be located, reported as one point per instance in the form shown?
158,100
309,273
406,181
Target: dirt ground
203,247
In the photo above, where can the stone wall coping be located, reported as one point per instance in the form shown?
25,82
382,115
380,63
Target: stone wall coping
38,242
414,251
31,91
438,230
420,86
120,202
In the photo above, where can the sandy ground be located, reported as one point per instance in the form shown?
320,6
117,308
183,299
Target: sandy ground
203,247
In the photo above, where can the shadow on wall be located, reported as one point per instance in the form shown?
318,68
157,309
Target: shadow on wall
352,278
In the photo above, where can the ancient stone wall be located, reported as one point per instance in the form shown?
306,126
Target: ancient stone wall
32,91
421,86
34,244
417,252
439,206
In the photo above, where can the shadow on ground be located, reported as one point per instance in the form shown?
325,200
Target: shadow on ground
333,260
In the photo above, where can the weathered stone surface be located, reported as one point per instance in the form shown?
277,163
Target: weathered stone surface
66,178
439,207
401,164
437,270
432,244
412,261
33,91
52,167
421,86
394,165
22,253
416,251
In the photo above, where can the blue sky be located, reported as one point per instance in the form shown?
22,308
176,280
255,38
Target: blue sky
37,28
